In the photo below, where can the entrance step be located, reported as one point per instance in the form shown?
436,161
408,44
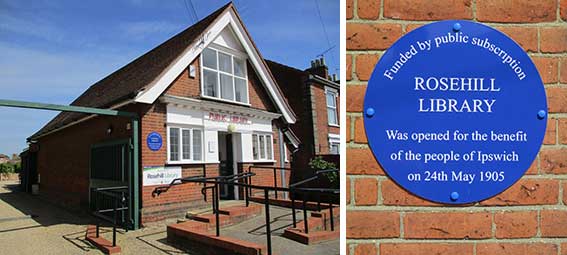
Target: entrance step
209,209
319,228
196,233
102,244
228,215
211,244
210,219
249,236
311,206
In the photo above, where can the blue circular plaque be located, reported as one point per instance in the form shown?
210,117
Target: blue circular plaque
154,141
455,112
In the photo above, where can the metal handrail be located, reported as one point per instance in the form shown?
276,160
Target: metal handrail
274,168
293,189
229,181
119,195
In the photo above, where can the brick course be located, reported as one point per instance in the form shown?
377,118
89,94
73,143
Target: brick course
529,217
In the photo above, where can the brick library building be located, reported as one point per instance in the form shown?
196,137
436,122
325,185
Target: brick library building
208,104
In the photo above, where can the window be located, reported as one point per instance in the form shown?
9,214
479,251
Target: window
185,144
331,107
334,144
224,76
174,144
262,147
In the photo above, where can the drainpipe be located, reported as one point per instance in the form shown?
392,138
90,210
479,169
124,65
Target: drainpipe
282,160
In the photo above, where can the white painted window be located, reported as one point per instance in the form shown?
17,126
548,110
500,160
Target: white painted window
224,76
334,144
185,145
331,98
262,147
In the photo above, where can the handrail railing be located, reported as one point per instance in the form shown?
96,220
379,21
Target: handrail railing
120,197
274,168
294,189
230,180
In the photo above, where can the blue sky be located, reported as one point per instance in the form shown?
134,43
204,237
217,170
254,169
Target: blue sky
51,51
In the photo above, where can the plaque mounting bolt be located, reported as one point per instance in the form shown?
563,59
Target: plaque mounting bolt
457,26
541,114
370,112
454,195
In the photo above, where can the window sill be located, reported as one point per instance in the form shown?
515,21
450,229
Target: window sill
187,162
334,125
262,161
225,100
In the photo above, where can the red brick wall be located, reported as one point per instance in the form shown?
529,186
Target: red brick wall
63,159
186,86
257,94
528,218
321,121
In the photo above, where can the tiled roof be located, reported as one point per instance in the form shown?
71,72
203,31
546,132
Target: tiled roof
126,82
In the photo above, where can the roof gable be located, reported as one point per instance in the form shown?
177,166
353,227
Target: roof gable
227,39
228,19
142,79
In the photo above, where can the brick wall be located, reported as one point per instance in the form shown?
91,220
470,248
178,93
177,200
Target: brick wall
321,119
63,159
528,218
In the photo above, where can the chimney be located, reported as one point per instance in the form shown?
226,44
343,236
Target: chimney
318,67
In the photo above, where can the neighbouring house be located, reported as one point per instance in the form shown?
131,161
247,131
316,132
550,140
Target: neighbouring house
208,104
314,96
15,159
4,158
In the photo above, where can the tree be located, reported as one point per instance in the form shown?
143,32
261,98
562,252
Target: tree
6,168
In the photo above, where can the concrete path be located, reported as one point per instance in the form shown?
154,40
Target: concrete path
29,225
254,230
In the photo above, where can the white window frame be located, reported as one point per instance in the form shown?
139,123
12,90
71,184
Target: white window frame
334,93
181,159
232,75
266,144
335,139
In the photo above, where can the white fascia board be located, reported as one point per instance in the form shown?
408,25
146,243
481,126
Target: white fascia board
226,108
173,71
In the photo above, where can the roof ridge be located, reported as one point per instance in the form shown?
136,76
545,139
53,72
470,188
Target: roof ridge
286,66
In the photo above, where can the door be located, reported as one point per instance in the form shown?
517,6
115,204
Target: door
226,158
109,168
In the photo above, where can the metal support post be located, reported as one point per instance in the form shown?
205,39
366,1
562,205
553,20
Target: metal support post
268,230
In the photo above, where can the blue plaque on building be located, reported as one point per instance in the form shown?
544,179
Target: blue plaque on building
455,112
154,141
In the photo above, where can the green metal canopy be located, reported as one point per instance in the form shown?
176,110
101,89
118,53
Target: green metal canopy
134,171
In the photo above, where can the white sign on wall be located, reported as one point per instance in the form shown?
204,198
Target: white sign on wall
158,175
